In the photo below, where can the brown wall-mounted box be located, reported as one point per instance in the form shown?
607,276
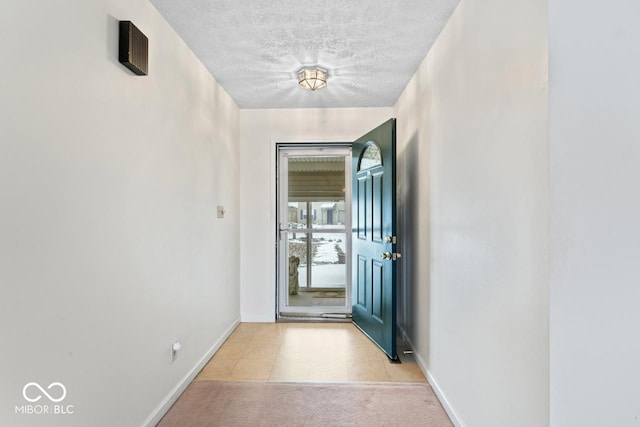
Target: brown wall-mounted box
134,48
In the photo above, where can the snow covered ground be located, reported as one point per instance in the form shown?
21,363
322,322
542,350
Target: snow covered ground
327,271
326,252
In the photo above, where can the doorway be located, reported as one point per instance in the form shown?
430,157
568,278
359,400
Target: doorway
321,255
314,230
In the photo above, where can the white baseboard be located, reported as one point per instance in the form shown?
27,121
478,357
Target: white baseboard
249,318
157,414
455,419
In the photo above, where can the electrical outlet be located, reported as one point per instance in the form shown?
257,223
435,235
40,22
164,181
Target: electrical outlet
220,211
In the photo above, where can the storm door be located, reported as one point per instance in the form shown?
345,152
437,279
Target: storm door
314,238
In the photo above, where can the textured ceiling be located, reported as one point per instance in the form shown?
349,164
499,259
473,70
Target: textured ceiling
254,48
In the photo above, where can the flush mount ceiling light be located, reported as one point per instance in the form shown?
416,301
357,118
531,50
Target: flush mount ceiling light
312,78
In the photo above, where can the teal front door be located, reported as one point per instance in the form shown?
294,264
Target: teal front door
374,236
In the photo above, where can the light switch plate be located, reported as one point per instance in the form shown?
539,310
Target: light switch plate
220,211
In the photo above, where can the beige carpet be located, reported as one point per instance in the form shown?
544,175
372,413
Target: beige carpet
220,403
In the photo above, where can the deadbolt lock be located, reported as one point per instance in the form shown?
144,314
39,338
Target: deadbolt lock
390,239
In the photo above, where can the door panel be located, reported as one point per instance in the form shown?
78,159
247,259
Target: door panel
374,231
378,291
361,283
361,207
377,214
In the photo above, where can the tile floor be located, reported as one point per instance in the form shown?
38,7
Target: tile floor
327,352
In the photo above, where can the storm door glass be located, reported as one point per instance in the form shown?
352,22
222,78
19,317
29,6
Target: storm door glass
314,216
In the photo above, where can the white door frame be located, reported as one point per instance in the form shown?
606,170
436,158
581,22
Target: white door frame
284,151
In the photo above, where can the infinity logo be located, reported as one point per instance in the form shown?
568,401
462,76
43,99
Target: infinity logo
43,391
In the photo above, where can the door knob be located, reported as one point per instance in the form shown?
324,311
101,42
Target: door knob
393,256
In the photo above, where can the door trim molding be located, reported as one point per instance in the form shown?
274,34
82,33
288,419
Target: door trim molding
332,148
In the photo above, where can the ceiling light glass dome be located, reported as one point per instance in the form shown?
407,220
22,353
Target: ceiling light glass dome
312,78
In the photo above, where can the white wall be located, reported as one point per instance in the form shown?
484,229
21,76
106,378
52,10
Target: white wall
473,153
594,88
110,249
260,131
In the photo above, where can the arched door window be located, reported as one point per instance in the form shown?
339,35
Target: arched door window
371,157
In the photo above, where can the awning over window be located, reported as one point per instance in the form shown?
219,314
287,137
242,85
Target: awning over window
322,186
316,179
